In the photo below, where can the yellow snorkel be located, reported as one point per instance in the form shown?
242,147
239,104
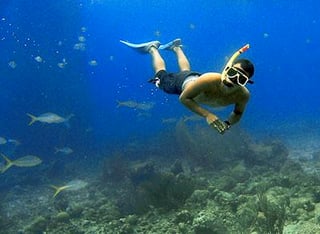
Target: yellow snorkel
232,59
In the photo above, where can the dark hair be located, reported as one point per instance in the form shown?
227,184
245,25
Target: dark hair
246,65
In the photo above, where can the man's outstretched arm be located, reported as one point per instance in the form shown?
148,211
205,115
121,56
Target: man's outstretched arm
238,110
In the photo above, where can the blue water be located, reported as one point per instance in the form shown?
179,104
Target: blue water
284,38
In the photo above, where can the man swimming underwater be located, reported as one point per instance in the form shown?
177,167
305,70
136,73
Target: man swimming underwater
196,89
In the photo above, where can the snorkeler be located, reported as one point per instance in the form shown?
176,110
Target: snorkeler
196,89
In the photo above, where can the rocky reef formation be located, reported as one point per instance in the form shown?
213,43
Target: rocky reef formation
187,183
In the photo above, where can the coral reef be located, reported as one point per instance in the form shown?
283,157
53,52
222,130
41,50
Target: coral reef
207,186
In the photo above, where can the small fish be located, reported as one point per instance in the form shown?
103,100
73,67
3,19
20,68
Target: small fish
26,161
136,105
73,185
12,64
83,29
38,59
14,141
48,118
64,150
130,104
192,118
3,141
80,46
145,106
81,38
62,64
93,63
169,120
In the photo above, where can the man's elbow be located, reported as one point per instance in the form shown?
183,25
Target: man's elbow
182,99
237,112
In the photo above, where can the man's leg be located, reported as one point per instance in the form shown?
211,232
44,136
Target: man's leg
175,46
157,61
183,62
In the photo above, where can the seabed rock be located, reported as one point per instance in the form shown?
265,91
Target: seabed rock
38,225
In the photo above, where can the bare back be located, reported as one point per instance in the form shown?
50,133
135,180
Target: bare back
210,90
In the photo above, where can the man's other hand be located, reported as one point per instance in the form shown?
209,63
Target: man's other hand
220,126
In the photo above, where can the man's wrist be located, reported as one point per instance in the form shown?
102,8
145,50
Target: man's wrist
228,123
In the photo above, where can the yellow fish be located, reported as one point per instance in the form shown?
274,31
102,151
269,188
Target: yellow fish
59,189
73,185
26,161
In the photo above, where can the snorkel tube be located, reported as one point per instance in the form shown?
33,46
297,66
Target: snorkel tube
232,59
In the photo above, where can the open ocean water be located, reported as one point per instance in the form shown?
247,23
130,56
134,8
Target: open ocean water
113,133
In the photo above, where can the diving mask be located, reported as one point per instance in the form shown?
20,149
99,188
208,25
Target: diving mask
237,77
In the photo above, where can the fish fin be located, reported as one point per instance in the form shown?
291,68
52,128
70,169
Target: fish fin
8,163
69,117
118,103
67,122
59,189
54,187
33,118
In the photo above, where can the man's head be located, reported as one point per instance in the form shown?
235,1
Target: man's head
239,73
245,66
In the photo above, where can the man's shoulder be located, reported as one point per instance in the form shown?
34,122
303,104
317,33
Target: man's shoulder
210,76
245,94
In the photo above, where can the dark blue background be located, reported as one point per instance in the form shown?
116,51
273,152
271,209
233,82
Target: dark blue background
284,38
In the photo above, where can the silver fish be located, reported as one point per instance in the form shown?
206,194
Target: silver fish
73,185
169,120
192,118
3,141
26,161
64,150
76,184
136,105
48,118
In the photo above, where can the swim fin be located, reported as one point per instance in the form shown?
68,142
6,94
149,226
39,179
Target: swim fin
142,47
169,46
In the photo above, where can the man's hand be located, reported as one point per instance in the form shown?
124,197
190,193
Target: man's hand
220,126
